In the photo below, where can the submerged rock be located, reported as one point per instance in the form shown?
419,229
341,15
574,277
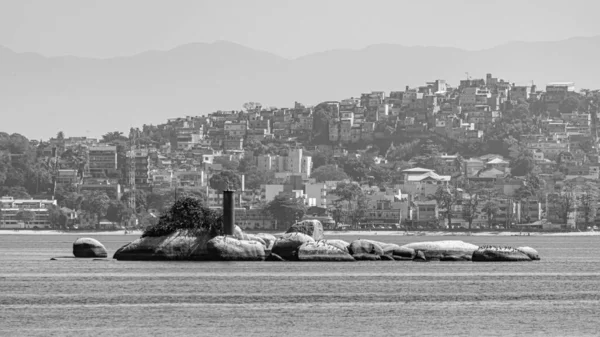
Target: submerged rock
176,246
498,254
530,252
322,251
365,247
450,250
288,244
228,248
88,247
312,228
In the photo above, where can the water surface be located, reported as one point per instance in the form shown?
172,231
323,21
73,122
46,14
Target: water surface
557,296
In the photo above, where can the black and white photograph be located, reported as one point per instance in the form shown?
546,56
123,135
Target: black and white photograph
299,168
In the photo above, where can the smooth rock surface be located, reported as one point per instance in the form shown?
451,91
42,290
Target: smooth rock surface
228,248
449,250
340,244
287,245
269,239
312,228
498,254
530,252
88,247
362,246
321,251
176,246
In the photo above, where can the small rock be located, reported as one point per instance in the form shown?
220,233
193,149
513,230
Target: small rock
274,258
88,247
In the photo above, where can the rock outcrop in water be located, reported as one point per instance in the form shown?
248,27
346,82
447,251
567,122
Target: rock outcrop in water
498,254
450,250
88,247
312,228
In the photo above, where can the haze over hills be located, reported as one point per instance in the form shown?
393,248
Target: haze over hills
88,97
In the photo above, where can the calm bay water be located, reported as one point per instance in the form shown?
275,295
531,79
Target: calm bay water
558,296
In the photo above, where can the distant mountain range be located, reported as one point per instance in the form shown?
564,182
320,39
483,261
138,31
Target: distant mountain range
85,96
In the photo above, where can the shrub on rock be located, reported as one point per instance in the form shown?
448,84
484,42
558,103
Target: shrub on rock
228,248
288,244
321,251
312,228
498,254
88,247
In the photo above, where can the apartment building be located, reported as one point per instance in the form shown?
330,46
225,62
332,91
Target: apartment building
11,213
102,160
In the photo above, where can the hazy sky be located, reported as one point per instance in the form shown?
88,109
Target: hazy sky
104,28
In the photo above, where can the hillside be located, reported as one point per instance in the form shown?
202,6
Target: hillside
84,96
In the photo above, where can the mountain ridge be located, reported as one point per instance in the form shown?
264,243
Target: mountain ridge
42,95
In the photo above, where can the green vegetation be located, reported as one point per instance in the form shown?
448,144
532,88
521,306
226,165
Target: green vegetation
189,215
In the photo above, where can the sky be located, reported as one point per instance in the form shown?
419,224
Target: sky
109,28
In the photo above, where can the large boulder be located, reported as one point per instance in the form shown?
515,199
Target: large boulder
530,252
450,250
498,254
312,228
322,251
288,244
179,245
88,247
358,247
228,248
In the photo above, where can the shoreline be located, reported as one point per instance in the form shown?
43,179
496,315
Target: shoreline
327,233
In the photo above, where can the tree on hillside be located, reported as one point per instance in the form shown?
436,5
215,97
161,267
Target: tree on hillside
569,105
141,199
328,173
250,106
25,216
225,180
228,164
587,203
491,209
445,196
114,136
95,203
286,209
470,204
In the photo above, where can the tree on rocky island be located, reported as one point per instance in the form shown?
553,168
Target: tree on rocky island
286,209
189,215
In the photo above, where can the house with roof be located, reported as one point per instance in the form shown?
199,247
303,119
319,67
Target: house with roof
486,175
420,182
499,164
